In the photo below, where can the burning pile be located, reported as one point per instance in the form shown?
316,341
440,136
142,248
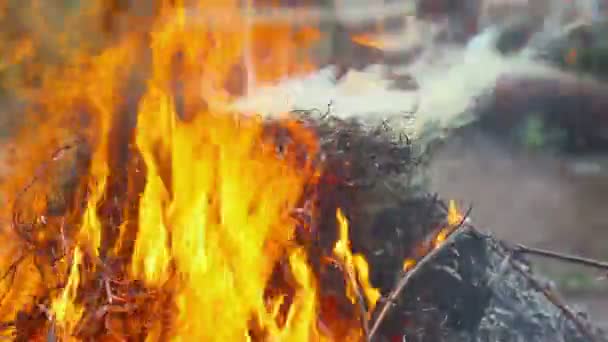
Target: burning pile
167,217
198,225
183,221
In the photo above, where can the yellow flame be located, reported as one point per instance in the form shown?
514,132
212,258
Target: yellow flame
354,264
454,216
212,223
368,40
408,264
66,313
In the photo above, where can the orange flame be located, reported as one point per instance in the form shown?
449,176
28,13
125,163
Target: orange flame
454,218
212,223
369,41
66,312
408,264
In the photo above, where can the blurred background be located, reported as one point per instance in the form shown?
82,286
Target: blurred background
534,164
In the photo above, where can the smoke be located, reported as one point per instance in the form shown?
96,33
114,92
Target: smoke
450,78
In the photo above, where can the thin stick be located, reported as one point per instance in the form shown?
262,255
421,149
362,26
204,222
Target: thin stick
51,335
352,279
392,297
360,300
602,265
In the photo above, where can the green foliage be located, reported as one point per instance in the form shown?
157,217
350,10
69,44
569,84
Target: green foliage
534,133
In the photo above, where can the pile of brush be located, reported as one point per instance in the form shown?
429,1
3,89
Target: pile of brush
440,279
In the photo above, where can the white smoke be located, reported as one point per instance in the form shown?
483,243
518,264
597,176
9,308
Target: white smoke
450,79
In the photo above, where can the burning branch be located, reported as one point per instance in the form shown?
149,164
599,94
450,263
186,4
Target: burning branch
352,273
360,299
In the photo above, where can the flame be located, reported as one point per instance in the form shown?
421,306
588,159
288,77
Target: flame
354,264
66,312
212,223
377,41
454,217
408,264
369,41
219,218
226,221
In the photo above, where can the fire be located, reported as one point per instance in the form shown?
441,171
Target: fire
454,218
355,265
408,264
178,224
376,42
222,224
66,312
369,41
196,220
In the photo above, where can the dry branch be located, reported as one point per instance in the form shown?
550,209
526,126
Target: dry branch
555,299
601,265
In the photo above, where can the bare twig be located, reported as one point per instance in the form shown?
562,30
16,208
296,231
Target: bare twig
351,277
392,297
38,173
360,301
51,335
10,274
602,265
13,267
106,284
